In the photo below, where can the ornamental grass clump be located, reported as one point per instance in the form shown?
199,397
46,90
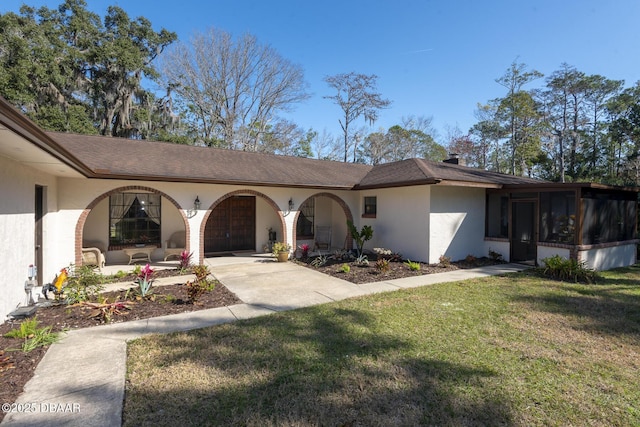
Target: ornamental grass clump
33,336
413,266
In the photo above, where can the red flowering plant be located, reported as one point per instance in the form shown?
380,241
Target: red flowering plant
305,250
144,280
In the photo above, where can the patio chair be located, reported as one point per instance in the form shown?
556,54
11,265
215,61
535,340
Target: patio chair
175,245
322,238
93,254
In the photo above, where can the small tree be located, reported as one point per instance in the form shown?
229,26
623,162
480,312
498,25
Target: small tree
360,236
356,95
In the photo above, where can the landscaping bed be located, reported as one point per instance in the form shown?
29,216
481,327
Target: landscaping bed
360,273
172,299
17,367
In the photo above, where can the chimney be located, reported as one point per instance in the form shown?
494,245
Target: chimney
454,159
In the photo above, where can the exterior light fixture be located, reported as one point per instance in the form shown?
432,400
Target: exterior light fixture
290,204
196,207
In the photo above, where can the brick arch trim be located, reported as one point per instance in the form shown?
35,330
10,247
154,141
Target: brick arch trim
245,192
340,202
85,213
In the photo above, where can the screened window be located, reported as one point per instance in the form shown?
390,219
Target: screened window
497,215
134,219
304,227
608,217
558,217
370,206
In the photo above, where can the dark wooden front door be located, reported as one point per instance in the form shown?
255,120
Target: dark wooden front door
231,226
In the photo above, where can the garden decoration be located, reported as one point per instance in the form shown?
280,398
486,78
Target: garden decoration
56,287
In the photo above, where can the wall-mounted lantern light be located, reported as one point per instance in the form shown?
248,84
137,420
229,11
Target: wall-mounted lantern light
196,207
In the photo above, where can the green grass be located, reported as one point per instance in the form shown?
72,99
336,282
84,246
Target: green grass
516,350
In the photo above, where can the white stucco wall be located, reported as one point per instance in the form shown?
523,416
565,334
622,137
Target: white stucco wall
456,222
501,247
401,223
17,230
76,194
549,251
608,258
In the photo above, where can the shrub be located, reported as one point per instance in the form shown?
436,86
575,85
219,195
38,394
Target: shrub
560,268
197,288
362,260
202,284
470,259
345,268
304,248
201,271
445,261
382,265
83,284
185,261
319,261
341,255
413,266
495,256
280,247
388,254
33,336
145,280
366,233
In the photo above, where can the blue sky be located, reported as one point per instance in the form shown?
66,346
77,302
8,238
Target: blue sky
436,58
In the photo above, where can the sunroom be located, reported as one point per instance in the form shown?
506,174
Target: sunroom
591,223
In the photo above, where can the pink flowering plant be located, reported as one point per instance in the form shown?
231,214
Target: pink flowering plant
185,261
144,280
305,250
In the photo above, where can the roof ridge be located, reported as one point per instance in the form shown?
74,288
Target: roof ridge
424,167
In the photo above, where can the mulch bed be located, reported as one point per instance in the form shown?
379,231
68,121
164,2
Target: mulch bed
368,273
16,367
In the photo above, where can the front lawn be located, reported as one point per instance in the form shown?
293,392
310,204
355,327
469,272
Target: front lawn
515,350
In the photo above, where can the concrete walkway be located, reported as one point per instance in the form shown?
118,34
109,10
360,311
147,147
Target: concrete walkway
81,379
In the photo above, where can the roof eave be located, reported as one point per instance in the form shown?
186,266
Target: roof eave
556,185
21,125
430,181
196,180
453,183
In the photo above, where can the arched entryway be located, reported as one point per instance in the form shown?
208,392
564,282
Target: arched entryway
326,210
233,222
178,219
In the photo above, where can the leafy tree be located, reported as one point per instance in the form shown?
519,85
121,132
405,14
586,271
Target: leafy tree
624,129
70,71
599,90
485,136
519,114
232,89
356,95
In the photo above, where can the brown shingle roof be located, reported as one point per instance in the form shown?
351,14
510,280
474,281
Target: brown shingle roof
421,171
161,161
149,160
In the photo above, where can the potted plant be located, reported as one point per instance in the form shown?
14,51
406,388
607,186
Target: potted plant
281,251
